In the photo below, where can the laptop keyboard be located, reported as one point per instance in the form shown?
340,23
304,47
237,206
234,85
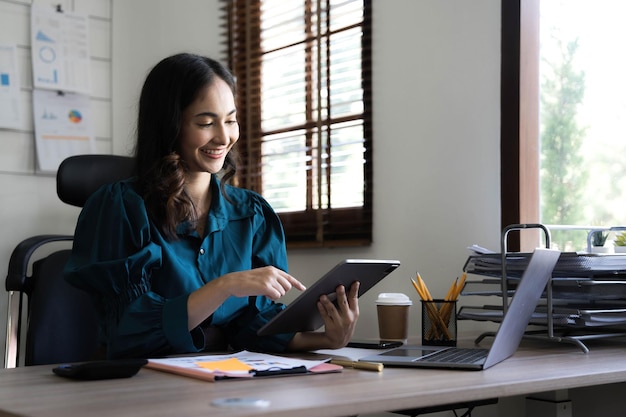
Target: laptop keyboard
454,355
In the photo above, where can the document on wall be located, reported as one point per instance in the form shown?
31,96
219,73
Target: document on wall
10,116
63,127
60,50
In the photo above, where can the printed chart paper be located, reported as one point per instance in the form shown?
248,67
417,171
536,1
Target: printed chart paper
10,116
60,50
63,127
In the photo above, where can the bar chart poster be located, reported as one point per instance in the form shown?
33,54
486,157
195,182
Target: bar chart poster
63,127
60,50
9,88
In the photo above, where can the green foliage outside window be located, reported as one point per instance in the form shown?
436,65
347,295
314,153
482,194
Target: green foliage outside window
563,172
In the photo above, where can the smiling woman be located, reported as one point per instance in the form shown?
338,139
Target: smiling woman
177,259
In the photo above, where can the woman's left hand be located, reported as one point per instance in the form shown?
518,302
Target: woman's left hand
339,322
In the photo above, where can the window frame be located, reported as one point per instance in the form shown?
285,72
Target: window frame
312,227
519,127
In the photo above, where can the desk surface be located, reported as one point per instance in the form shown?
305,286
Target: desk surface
536,367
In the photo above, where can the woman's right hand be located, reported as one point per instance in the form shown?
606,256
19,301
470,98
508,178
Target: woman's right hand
268,281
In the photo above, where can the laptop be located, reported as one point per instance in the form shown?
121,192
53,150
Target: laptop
507,338
301,314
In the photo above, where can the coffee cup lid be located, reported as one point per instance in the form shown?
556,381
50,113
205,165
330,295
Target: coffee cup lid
393,298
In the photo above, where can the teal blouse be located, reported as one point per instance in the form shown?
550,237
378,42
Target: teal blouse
140,280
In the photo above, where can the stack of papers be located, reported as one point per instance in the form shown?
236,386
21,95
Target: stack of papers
242,364
581,289
570,264
587,290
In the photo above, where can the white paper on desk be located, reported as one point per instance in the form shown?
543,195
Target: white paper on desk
60,50
199,366
63,127
10,116
257,361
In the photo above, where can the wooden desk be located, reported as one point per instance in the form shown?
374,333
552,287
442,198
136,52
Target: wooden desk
36,392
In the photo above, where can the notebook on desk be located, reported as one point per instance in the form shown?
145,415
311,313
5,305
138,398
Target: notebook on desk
508,336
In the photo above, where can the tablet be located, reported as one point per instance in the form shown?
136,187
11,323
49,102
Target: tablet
301,315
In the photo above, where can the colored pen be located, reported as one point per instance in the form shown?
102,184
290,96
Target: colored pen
365,366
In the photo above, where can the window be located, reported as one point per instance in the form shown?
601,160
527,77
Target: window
581,73
303,70
561,117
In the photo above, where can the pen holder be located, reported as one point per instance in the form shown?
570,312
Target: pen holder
439,323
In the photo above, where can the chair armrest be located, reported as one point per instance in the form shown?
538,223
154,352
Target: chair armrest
20,257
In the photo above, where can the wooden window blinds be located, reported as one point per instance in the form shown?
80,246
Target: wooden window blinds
303,71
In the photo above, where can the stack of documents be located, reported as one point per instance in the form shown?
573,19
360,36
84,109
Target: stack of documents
570,264
571,289
588,290
242,364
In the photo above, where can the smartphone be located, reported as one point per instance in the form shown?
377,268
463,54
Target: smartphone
104,369
374,344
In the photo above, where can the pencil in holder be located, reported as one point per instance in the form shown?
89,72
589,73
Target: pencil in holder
439,323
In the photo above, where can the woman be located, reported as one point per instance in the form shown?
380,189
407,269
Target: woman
177,260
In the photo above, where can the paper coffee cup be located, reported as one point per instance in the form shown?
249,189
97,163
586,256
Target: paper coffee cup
393,316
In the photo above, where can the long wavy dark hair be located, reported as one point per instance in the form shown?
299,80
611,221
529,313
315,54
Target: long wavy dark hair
170,87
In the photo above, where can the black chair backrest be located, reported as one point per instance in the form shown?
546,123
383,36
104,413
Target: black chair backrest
62,320
79,176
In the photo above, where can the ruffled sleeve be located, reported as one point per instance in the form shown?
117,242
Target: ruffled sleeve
113,258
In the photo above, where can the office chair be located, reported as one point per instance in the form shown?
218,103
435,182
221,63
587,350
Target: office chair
61,323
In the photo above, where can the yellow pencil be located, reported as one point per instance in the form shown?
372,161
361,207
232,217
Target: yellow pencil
418,289
461,284
424,287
